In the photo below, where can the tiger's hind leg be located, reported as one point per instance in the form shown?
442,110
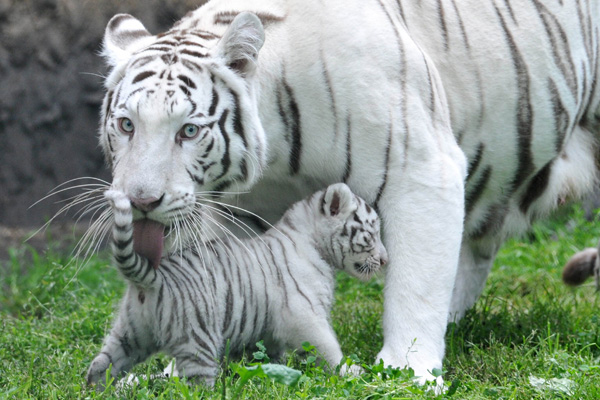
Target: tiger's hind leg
197,362
474,265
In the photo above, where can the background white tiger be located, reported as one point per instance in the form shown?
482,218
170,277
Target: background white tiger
387,96
277,287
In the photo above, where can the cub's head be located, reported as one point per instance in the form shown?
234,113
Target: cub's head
179,121
350,230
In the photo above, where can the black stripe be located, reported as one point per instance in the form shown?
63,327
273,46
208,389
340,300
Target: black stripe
536,187
228,308
348,169
109,99
238,126
524,110
122,244
442,23
214,103
192,53
493,222
187,81
558,38
225,160
478,188
193,44
474,163
185,90
296,131
329,89
280,280
461,24
158,48
204,34
562,119
142,61
510,10
290,274
387,166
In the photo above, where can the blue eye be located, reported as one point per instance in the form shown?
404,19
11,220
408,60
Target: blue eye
189,131
126,126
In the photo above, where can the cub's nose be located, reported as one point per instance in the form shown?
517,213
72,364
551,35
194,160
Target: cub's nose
383,256
146,204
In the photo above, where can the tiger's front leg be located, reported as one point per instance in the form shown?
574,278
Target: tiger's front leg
423,223
121,351
422,209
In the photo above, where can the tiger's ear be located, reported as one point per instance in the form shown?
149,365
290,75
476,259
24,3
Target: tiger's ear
124,35
338,200
241,42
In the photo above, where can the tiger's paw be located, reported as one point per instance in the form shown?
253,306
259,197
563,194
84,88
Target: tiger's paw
422,372
97,372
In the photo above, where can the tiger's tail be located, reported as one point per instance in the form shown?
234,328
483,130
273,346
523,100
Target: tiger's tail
581,266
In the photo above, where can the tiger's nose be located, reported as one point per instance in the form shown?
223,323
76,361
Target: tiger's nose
146,204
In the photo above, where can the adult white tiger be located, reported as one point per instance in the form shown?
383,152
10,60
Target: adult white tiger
387,96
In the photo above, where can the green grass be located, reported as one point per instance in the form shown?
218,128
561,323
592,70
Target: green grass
528,336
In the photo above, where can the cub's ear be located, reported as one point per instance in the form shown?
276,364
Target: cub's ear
241,42
124,35
338,200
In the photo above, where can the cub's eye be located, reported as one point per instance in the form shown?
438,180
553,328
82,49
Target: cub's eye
189,131
126,126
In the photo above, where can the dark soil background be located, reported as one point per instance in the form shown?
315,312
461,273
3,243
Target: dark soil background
50,96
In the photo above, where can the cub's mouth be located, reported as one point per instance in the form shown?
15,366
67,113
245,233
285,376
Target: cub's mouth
149,239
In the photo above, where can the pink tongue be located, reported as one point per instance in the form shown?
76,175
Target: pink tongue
148,240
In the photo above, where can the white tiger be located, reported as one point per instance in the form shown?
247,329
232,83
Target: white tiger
458,121
277,287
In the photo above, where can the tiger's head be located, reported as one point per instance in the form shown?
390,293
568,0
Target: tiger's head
179,121
349,231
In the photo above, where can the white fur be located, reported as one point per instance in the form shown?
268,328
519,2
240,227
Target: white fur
386,76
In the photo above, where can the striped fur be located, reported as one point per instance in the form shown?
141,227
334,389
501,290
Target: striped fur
459,121
277,287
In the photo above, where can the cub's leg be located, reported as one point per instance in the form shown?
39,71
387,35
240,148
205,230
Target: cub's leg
320,334
196,361
122,350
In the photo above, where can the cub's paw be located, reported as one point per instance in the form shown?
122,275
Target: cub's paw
351,370
97,371
118,200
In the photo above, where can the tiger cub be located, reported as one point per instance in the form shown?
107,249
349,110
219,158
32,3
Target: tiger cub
277,287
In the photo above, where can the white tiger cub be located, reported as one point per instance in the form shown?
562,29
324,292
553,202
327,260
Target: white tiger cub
277,287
